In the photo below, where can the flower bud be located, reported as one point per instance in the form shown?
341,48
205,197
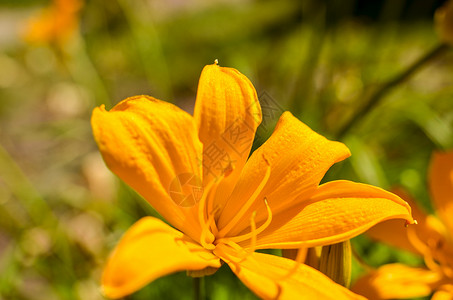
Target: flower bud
335,262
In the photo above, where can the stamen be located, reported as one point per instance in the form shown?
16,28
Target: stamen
226,253
204,232
212,223
224,231
415,241
447,271
232,244
254,232
240,252
423,249
407,223
207,221
202,203
430,262
210,202
300,256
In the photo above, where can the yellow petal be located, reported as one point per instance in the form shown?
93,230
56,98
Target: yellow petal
298,158
445,292
153,146
428,230
441,184
273,277
148,250
227,113
339,210
397,281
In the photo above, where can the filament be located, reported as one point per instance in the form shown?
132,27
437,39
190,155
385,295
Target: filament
205,231
423,249
415,241
254,232
207,221
210,203
248,204
298,260
202,203
233,241
239,256
212,223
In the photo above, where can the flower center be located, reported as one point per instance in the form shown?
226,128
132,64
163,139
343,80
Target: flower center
206,215
233,241
240,214
211,236
253,230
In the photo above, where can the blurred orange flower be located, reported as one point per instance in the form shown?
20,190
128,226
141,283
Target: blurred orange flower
432,239
443,20
197,173
55,24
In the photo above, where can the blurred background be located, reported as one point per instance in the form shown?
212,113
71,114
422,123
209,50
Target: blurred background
62,211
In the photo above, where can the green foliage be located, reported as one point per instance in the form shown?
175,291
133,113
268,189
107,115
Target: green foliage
61,210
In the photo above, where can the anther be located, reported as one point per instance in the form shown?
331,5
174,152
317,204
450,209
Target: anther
407,223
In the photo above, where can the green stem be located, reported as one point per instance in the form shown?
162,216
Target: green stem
25,192
198,288
389,85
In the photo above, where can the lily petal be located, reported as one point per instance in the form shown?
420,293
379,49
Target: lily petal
428,230
227,113
445,292
297,157
151,145
273,277
397,281
441,184
338,211
148,250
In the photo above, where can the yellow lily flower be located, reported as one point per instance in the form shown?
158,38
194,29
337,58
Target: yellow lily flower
432,238
222,204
